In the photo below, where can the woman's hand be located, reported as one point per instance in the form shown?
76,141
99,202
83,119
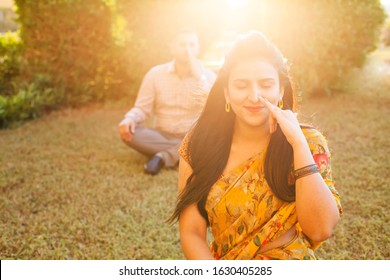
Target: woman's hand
193,227
287,121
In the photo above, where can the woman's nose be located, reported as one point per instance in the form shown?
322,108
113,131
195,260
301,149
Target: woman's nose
254,94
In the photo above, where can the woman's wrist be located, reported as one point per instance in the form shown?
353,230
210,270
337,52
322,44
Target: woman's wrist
305,171
302,155
299,143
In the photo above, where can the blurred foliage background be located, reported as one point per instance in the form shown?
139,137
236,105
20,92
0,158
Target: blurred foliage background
70,52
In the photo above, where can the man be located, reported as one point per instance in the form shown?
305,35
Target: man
174,93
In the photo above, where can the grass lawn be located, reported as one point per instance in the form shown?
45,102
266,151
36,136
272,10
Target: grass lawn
70,189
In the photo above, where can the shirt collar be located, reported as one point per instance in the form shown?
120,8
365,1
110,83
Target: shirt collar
171,67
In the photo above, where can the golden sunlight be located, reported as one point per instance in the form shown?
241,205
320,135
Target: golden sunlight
237,4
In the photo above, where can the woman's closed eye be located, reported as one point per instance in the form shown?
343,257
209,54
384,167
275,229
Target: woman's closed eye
266,84
241,84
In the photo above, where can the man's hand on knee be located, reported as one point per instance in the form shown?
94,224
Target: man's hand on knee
126,129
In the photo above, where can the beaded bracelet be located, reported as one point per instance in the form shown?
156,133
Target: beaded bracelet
305,171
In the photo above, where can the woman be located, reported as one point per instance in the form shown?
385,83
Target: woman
248,168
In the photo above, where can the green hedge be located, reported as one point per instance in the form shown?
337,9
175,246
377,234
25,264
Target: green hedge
72,44
324,39
67,52
28,103
10,61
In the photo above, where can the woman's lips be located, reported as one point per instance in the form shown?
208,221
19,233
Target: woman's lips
253,109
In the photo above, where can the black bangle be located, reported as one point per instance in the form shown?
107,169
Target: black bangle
305,171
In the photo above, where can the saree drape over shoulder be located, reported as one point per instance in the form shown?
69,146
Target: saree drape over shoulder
245,215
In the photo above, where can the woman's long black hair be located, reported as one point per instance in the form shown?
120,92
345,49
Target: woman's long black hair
211,137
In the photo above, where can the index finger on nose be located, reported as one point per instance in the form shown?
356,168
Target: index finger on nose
269,105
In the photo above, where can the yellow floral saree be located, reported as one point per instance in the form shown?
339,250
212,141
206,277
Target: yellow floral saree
245,215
